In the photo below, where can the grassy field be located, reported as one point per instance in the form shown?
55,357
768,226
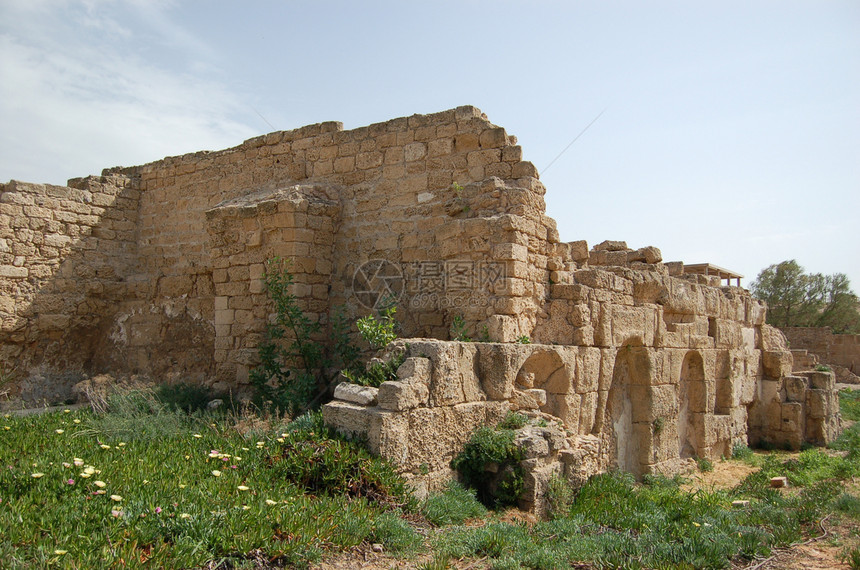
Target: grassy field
143,484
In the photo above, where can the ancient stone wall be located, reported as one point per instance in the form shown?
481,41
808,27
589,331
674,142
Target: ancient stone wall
839,349
158,269
64,256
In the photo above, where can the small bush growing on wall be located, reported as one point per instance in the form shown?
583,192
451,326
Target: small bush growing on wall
495,449
378,332
290,359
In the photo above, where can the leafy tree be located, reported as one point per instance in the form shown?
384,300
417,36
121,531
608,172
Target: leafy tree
798,299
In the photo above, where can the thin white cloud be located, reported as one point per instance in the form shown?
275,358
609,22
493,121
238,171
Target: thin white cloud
74,73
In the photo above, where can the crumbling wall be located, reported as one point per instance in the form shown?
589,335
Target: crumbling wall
158,269
835,349
65,253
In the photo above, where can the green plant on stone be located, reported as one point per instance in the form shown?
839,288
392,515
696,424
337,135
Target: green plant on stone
458,330
513,420
523,339
378,332
377,373
346,354
490,464
485,334
291,361
823,368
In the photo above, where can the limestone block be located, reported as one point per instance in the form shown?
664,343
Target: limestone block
746,389
727,334
795,388
532,443
493,138
588,370
610,245
607,366
776,364
510,251
653,402
594,278
792,417
527,399
403,395
503,328
453,377
821,380
772,339
415,369
583,336
361,395
817,403
588,412
537,395
433,436
13,272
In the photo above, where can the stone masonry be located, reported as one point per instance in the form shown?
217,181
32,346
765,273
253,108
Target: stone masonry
157,270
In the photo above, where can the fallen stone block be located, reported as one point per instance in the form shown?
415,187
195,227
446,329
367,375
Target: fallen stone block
361,395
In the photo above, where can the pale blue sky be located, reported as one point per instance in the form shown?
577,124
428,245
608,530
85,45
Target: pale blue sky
731,131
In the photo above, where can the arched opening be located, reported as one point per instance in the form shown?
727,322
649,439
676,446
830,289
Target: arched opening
545,370
625,437
692,405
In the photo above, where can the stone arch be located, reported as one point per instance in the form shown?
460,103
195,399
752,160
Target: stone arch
626,437
546,370
692,406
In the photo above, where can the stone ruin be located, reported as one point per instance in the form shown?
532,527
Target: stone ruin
633,363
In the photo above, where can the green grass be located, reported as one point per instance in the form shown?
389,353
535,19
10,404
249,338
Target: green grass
145,484
849,404
83,491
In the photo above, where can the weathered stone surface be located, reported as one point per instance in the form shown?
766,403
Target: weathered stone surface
361,395
403,395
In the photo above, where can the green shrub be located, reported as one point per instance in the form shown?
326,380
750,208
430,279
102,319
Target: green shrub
459,330
321,462
453,506
742,452
823,368
514,421
291,360
487,448
852,558
378,332
377,372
